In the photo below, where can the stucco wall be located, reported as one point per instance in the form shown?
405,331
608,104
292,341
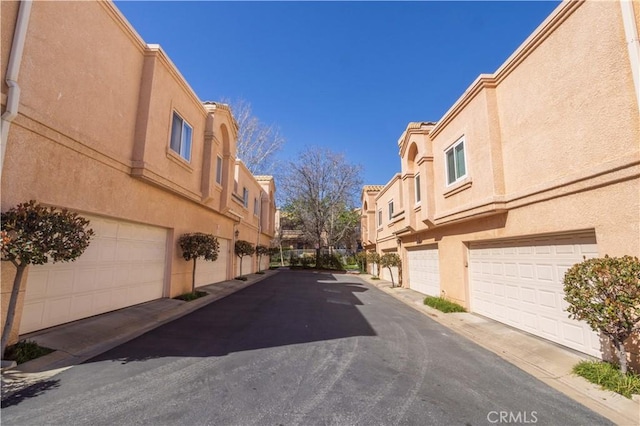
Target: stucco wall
570,104
80,74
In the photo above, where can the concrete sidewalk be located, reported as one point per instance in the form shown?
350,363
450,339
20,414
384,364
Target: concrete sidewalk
544,360
81,340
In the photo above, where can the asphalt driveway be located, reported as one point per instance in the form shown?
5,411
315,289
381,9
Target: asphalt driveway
297,348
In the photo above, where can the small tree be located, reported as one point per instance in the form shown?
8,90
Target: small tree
34,234
389,260
197,245
261,250
605,292
242,249
361,258
374,259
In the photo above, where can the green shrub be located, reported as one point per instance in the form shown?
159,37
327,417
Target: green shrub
330,261
361,257
25,351
605,292
242,278
187,297
609,377
306,261
443,305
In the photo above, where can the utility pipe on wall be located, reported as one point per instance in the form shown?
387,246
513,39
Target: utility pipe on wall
633,43
13,69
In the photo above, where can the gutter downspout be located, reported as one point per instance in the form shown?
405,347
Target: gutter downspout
13,69
633,43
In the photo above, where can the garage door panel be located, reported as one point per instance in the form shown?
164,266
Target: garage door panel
574,333
106,249
60,283
549,326
531,271
210,272
115,271
57,310
101,301
548,299
424,271
84,280
513,314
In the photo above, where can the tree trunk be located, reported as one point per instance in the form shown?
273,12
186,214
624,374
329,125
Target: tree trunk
622,354
193,277
240,266
318,259
391,274
11,309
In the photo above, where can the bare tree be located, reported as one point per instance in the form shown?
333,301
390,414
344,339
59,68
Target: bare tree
342,225
258,143
321,186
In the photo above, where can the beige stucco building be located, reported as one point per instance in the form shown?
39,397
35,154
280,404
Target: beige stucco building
104,124
534,167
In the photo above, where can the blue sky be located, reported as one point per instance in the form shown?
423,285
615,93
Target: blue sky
346,75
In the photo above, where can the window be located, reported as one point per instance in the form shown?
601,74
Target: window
390,210
245,197
379,217
417,182
256,208
219,170
181,137
456,167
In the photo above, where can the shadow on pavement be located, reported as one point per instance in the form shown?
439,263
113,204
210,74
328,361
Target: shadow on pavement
29,392
291,307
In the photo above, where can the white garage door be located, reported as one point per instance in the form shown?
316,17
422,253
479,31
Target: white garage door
213,272
123,266
519,283
424,271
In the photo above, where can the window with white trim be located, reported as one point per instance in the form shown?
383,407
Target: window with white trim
455,162
181,137
256,208
380,217
219,170
390,209
417,185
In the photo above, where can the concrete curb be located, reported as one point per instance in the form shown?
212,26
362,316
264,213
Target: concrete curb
546,361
